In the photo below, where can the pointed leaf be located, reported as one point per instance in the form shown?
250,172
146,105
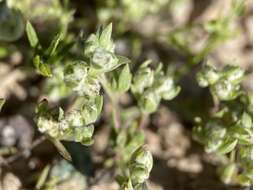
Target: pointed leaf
246,120
125,78
123,60
42,178
106,34
227,146
54,44
60,147
99,104
31,34
228,172
41,67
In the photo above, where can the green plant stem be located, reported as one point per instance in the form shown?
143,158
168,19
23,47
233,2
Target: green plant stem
42,178
232,156
114,101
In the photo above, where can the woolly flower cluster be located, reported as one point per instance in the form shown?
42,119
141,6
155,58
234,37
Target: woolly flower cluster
151,86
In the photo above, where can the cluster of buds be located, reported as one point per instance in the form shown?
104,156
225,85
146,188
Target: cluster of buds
230,129
223,137
150,92
215,137
224,84
139,168
84,78
99,49
78,77
70,126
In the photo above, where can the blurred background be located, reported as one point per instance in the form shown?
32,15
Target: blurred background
179,33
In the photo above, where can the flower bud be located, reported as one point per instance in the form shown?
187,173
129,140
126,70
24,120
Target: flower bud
149,102
139,173
46,122
102,40
215,130
78,78
74,118
163,84
75,73
143,157
84,134
103,60
234,74
91,45
143,78
207,76
225,90
91,109
215,135
172,93
48,126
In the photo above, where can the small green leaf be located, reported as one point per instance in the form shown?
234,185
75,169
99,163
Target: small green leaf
41,67
123,60
243,134
31,34
227,146
45,70
228,173
54,44
61,114
60,147
246,120
99,104
125,78
2,101
106,34
172,93
42,178
139,173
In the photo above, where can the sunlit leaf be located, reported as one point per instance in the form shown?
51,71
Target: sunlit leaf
60,147
31,34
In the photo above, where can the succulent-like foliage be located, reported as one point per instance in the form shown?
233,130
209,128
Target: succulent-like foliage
228,131
151,86
224,84
69,126
105,70
137,171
